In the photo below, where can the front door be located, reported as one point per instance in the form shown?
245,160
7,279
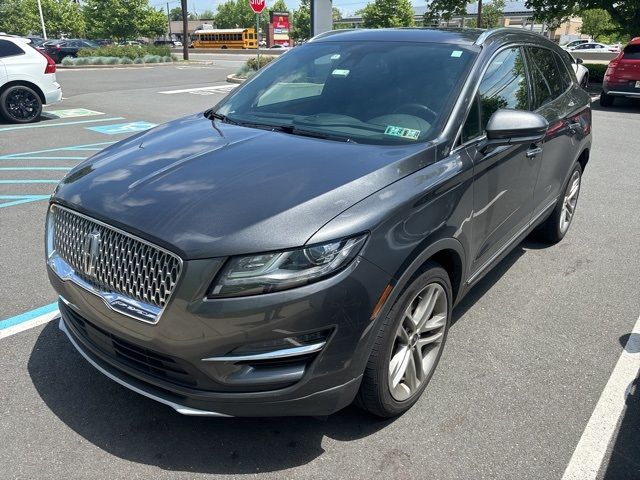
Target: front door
505,177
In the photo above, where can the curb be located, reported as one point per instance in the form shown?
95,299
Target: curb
127,65
233,78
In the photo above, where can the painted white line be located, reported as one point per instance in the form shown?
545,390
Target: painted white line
34,322
592,447
215,88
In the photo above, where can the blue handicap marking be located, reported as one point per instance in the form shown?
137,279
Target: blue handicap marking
118,128
12,200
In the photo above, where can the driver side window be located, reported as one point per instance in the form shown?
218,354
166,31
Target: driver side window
504,85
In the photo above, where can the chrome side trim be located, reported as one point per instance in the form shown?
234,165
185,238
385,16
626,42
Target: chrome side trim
184,410
273,355
623,94
511,241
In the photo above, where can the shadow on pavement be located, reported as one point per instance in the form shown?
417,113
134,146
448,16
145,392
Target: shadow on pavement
625,455
137,429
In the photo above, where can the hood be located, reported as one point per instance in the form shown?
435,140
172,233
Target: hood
206,189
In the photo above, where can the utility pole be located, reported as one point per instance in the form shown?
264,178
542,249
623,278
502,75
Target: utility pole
44,30
169,20
185,30
479,21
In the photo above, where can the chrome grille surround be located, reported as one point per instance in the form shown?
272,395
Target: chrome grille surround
131,275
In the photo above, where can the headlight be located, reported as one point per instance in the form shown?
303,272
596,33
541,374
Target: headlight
271,272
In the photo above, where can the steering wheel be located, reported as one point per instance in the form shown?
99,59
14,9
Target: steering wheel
419,110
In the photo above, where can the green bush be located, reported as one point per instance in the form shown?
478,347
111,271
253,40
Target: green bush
167,59
138,61
129,51
111,61
152,59
596,71
252,63
126,61
66,61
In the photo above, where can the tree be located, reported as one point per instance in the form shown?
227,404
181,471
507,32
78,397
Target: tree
625,14
302,21
279,6
122,19
596,23
491,15
446,9
21,17
176,15
207,15
388,13
336,14
238,14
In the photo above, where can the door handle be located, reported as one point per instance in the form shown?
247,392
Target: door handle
534,152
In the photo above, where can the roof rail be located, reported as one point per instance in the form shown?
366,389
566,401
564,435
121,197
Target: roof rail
484,36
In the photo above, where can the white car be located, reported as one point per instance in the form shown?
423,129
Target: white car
27,80
582,72
594,47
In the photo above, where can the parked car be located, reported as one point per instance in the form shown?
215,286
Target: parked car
575,43
67,48
283,254
593,47
622,77
170,43
103,42
27,80
582,72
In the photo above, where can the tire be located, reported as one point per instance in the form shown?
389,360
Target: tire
585,81
20,104
606,100
557,225
377,394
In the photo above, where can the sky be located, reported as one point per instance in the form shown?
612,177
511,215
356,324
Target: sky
347,7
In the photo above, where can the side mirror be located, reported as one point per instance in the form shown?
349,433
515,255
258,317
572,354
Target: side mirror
512,127
579,61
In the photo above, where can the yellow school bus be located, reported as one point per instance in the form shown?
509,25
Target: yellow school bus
225,38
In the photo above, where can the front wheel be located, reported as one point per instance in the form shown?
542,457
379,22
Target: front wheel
557,225
20,104
408,346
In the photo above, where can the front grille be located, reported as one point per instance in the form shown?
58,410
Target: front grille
126,353
122,264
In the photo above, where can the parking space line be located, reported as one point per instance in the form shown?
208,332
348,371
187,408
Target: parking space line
20,199
72,148
26,181
15,169
62,124
592,447
27,320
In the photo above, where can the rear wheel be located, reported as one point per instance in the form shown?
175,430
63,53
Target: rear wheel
408,346
20,104
557,225
606,100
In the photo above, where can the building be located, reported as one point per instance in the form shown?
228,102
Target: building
193,25
515,14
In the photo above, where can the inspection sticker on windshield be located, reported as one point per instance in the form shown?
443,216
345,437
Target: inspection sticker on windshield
402,132
340,73
456,53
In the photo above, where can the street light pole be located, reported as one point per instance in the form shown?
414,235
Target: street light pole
44,30
169,20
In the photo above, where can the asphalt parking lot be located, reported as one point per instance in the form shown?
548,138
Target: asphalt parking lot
530,362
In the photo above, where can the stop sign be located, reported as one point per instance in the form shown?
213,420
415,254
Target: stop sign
257,5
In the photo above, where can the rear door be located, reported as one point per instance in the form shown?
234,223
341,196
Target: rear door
10,59
551,87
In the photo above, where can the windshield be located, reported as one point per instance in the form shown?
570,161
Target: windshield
365,92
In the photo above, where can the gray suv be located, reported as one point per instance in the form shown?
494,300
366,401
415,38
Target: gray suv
302,244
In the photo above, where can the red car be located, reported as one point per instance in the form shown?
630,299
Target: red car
622,78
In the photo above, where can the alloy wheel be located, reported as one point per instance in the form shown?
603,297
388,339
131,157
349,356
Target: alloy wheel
570,201
418,341
22,104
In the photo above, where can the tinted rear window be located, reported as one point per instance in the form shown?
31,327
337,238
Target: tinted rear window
632,52
9,49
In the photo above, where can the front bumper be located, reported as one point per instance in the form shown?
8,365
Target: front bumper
192,329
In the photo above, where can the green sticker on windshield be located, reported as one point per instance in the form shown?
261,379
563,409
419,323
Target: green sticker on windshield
456,53
408,133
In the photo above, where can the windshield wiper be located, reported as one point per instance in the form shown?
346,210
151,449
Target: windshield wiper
312,133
